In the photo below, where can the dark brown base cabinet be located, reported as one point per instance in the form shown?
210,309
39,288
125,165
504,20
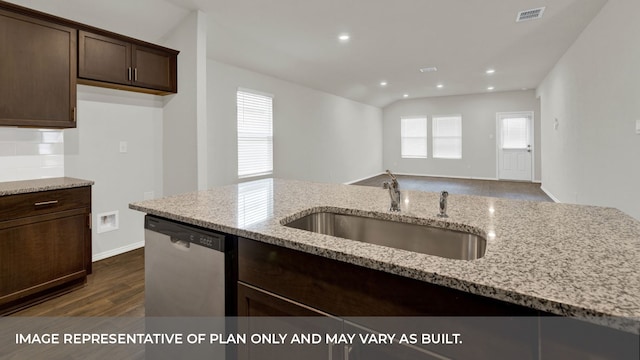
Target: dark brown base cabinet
45,245
274,281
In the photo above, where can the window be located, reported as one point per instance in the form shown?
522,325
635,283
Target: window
447,137
255,134
515,132
413,137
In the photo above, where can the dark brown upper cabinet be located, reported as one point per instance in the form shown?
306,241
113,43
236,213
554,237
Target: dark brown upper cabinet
37,72
116,62
43,57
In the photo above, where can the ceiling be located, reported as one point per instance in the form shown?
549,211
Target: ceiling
297,40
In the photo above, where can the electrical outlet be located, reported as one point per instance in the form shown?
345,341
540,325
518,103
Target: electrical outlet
638,127
149,195
123,146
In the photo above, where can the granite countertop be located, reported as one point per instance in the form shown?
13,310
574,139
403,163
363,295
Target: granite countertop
569,260
29,186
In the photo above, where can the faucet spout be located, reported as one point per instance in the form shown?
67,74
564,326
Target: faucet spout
443,204
394,191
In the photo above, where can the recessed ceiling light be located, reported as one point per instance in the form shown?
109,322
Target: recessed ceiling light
490,88
344,37
523,89
429,69
490,71
405,95
383,83
439,86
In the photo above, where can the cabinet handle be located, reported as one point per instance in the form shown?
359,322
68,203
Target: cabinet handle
129,74
75,117
135,74
347,351
42,203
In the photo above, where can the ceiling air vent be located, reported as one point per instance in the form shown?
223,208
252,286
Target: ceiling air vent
531,14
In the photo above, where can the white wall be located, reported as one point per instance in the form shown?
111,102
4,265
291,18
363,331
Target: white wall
594,92
185,151
30,153
92,151
317,136
478,132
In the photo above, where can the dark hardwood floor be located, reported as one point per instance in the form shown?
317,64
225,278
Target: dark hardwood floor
503,189
116,288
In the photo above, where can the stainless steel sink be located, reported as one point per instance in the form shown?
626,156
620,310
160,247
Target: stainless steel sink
419,238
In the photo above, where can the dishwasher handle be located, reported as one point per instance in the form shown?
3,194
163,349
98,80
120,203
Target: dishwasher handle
180,244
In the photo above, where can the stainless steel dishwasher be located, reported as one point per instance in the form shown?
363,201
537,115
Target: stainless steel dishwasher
189,271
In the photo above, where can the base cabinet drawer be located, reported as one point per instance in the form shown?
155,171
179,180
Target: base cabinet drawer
44,202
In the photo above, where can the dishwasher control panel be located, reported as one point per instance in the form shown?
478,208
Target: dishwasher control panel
212,241
187,233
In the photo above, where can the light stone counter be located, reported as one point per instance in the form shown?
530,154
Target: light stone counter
569,260
29,186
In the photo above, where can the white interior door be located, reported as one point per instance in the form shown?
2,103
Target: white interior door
515,139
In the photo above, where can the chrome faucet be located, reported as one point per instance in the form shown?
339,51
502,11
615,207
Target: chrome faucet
394,192
443,204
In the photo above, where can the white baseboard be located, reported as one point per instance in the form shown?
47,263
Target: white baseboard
555,199
450,176
364,178
441,176
121,250
480,178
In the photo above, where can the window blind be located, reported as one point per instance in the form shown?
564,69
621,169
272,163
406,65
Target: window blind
255,134
515,133
413,137
447,137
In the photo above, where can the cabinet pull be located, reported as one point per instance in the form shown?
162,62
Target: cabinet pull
347,351
42,203
74,114
135,74
129,74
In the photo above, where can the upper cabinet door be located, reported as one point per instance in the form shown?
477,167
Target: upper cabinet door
118,63
104,59
38,68
154,69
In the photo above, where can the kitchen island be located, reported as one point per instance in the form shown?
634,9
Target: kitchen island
562,259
